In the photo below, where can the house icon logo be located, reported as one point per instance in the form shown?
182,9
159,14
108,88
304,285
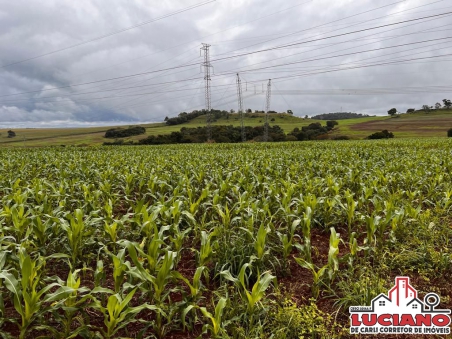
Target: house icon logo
401,312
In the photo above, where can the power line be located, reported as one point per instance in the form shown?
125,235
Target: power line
366,66
317,71
331,36
347,54
226,58
326,24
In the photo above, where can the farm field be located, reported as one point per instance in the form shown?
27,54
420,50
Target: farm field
218,240
420,125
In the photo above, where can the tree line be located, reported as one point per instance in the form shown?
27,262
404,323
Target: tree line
339,116
447,104
186,117
232,134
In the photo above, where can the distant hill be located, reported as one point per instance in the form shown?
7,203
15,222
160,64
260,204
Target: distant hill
432,123
339,116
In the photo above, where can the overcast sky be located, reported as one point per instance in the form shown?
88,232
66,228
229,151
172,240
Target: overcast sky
144,80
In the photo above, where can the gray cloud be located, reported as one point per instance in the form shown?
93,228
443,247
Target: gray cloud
232,27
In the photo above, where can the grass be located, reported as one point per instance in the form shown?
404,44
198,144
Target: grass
420,124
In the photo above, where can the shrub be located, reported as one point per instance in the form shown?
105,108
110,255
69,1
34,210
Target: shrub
123,133
449,133
11,134
314,131
341,137
385,134
331,123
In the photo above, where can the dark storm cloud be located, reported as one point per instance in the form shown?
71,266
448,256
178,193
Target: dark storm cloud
30,28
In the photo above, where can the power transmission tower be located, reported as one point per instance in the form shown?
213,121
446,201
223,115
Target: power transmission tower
267,108
207,66
240,99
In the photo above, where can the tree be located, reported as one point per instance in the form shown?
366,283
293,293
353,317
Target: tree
426,108
449,133
438,105
306,117
447,103
289,111
249,110
392,111
166,119
11,134
385,134
410,110
330,124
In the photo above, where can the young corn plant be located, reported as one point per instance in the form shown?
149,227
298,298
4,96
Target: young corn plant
317,275
30,302
287,239
118,312
111,230
333,255
372,225
306,247
39,231
177,239
19,218
195,286
75,301
99,274
207,249
354,249
153,252
260,242
326,274
158,283
253,297
349,207
119,268
76,232
216,326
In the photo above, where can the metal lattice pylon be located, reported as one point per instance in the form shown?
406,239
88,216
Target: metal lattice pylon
207,67
240,100
267,108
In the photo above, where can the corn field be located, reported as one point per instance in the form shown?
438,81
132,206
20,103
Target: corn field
218,241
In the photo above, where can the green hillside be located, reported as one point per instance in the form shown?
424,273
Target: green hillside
419,124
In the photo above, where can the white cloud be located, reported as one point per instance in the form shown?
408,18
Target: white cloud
29,28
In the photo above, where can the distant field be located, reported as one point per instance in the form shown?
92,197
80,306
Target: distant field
420,124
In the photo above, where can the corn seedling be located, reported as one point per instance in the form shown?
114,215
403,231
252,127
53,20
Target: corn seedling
257,292
215,327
